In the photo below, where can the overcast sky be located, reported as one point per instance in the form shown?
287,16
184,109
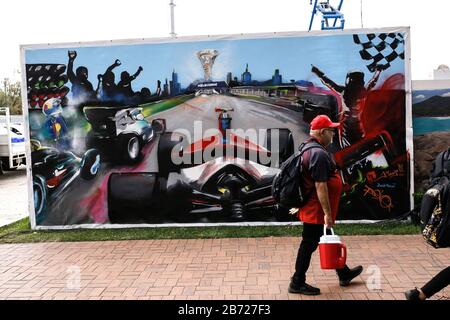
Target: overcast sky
52,21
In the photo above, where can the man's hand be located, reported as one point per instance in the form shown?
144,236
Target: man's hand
72,55
328,221
293,211
99,77
117,62
140,69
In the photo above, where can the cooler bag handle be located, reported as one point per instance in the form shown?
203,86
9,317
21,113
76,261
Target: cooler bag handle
325,230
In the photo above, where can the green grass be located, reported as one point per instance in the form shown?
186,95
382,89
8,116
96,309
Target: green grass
418,199
152,108
20,232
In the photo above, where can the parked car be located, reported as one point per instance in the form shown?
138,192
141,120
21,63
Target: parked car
12,143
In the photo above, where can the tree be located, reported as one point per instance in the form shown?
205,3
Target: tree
10,96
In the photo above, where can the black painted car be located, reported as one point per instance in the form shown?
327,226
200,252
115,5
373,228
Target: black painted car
55,170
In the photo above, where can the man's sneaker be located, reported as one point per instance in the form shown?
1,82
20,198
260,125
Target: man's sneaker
413,295
305,289
345,279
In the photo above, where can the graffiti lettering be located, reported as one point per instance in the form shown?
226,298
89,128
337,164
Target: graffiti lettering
399,172
386,185
384,200
390,174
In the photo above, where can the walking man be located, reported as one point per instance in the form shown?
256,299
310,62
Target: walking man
323,185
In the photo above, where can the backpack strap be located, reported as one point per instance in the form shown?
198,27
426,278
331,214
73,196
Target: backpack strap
304,147
440,162
445,157
313,144
438,165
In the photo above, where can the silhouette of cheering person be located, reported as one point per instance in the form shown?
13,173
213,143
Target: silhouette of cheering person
82,89
124,85
107,88
144,95
352,94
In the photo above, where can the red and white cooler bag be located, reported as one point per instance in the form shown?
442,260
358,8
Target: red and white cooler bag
333,252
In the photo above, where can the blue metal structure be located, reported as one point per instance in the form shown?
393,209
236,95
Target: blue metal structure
328,12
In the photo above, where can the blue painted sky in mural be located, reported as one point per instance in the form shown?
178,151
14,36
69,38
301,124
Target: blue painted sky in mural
293,56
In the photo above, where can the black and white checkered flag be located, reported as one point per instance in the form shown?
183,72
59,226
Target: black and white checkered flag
380,50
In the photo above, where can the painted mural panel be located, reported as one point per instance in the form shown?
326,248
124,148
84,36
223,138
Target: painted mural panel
431,124
195,130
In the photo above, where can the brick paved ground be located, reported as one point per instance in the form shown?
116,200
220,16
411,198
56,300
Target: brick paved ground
257,268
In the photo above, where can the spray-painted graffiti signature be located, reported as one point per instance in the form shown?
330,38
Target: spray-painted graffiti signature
399,172
386,185
384,200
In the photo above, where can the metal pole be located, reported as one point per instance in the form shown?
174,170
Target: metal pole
339,9
362,25
312,15
172,19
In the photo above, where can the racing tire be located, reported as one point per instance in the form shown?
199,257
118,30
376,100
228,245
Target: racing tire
90,164
40,197
133,198
177,198
130,147
166,146
105,147
90,141
285,143
159,125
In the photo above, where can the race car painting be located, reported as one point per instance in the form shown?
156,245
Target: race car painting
120,133
55,170
222,189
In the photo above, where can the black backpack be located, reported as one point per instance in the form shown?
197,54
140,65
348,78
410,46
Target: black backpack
441,165
435,214
286,186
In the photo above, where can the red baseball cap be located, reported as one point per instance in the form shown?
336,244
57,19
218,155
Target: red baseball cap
322,121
